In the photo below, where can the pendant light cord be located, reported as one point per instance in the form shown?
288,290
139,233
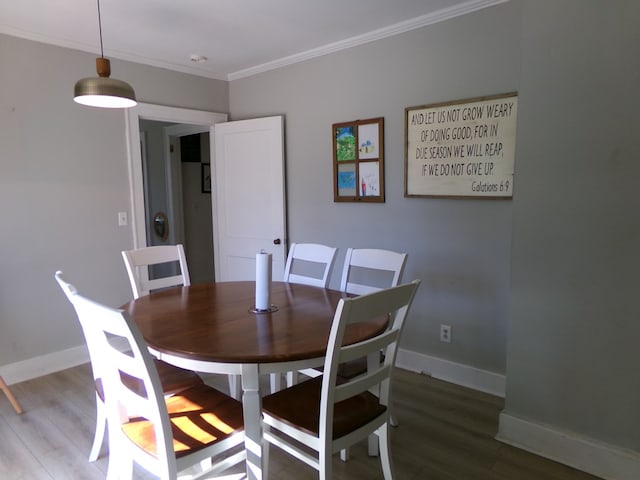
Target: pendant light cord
100,29
102,91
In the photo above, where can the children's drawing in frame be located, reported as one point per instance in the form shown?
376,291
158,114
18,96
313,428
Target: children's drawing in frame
358,161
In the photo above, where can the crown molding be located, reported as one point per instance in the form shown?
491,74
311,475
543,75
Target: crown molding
391,30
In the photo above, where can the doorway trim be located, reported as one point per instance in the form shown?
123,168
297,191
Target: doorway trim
160,113
174,175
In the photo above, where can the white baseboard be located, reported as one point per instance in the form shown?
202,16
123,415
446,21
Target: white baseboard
44,364
591,456
50,363
464,375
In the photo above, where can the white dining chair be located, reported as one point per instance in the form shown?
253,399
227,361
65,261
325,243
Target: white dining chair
316,263
316,418
172,379
368,270
199,429
138,261
307,264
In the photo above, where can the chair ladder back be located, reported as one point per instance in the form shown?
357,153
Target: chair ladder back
362,349
89,333
109,325
313,253
138,261
372,259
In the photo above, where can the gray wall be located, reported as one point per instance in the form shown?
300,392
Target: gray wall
63,178
574,323
459,248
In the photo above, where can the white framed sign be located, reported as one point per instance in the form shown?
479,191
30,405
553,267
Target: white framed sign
459,149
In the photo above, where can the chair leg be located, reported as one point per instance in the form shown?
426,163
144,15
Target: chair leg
205,464
276,382
385,452
292,378
101,424
344,454
393,421
14,402
325,464
120,464
265,459
235,387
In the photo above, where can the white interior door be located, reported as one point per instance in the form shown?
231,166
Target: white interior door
158,113
248,198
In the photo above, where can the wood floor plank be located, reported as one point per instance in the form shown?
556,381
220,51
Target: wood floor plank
528,466
16,460
446,432
49,433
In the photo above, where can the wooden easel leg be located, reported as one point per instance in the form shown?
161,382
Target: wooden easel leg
5,388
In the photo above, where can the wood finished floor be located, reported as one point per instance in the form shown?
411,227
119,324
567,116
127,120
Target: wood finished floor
446,432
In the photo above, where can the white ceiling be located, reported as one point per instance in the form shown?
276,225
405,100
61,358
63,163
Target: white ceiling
239,37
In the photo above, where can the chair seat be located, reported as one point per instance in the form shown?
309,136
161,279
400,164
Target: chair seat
200,417
348,415
173,380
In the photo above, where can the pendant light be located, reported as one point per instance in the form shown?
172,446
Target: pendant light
103,91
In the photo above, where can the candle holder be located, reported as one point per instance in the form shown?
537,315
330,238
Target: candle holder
271,309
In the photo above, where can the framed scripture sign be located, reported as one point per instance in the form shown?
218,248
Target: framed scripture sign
358,161
459,149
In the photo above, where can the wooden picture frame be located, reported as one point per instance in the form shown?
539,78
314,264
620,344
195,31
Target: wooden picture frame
461,149
358,161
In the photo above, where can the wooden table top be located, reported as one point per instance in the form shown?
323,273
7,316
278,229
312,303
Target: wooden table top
213,322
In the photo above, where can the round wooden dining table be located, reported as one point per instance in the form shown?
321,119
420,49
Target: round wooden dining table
212,328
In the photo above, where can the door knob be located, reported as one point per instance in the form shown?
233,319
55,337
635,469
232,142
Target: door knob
276,241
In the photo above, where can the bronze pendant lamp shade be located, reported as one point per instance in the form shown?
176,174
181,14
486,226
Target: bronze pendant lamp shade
102,91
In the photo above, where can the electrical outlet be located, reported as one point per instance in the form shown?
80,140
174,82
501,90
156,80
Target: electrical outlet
445,333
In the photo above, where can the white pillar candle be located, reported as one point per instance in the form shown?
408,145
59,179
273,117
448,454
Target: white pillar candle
263,280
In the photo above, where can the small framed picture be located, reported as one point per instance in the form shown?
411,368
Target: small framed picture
206,177
358,161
